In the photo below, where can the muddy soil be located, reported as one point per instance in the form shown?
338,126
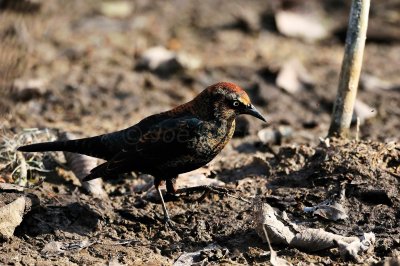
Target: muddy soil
84,59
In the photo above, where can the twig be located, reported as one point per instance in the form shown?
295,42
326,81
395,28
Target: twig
23,171
351,68
274,259
358,128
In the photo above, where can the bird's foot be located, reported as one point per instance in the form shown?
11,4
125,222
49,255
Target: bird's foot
169,224
207,189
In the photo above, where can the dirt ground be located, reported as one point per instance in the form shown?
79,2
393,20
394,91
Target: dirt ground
85,60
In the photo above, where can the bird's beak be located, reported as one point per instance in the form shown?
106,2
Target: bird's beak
251,110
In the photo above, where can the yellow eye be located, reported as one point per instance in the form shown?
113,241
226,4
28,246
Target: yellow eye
236,103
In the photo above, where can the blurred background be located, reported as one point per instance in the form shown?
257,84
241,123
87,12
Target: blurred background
97,66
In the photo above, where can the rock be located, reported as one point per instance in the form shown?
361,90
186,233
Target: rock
197,178
165,62
81,165
189,61
11,216
10,187
116,9
27,89
191,179
159,60
274,136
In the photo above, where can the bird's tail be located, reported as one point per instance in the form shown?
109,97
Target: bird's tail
98,171
90,176
47,146
89,146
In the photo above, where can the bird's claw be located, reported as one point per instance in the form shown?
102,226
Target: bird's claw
169,224
208,189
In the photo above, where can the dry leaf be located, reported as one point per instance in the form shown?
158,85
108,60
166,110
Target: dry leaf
282,231
363,111
330,211
299,25
293,77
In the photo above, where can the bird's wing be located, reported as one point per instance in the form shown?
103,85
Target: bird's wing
162,141
128,138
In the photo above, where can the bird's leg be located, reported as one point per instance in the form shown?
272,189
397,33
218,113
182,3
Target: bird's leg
171,190
167,219
166,214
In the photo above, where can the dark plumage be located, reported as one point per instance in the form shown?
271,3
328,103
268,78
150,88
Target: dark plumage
166,144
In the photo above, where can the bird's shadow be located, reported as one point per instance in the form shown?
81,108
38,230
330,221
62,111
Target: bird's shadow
74,218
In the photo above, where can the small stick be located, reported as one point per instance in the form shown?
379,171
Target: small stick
357,128
23,170
351,68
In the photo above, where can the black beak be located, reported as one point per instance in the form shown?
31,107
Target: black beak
251,110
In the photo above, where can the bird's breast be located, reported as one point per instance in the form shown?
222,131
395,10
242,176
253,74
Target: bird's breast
214,138
199,150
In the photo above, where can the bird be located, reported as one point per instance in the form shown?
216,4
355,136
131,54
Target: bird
166,144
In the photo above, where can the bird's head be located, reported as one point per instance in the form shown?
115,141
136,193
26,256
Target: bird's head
227,100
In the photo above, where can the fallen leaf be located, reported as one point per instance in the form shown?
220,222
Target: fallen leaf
373,83
280,230
354,249
293,77
363,111
302,26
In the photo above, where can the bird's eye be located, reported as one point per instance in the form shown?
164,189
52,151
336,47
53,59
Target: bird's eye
236,103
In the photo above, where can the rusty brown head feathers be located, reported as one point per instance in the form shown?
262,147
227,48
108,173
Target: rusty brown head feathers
224,100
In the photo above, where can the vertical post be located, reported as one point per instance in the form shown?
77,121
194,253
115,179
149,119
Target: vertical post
351,68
